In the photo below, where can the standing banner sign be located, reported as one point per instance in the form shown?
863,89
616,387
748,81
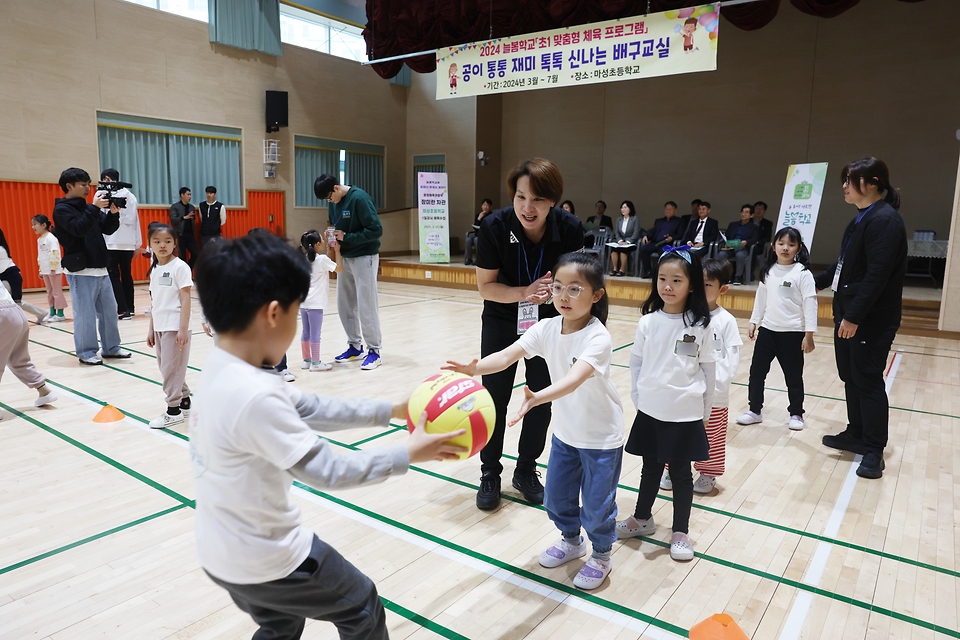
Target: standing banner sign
657,44
434,216
801,199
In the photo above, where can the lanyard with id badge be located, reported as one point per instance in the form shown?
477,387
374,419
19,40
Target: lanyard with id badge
528,313
843,249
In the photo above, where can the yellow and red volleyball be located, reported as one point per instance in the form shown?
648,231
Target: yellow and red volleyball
454,401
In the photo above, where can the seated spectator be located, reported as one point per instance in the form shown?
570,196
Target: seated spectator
766,226
626,234
566,205
703,229
485,207
746,234
665,231
599,219
694,213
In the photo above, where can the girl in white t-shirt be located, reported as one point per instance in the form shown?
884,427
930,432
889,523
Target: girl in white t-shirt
313,244
587,446
673,373
48,258
785,308
170,283
12,279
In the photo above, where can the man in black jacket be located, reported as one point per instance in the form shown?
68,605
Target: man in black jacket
80,228
665,230
213,215
703,229
182,215
868,280
748,234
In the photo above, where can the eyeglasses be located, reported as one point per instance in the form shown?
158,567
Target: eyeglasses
573,290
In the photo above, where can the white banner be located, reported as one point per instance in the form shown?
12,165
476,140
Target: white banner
434,214
658,44
801,199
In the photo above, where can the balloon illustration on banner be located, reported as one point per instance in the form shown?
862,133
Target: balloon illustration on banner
706,15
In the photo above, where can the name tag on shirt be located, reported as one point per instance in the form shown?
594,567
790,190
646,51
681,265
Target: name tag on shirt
687,347
346,213
528,314
166,280
836,277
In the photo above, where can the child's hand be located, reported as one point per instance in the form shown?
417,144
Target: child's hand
183,337
423,446
206,329
752,331
529,402
468,369
399,411
808,345
150,340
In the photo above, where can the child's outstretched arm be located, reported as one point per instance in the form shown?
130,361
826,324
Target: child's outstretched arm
326,413
579,373
337,258
493,363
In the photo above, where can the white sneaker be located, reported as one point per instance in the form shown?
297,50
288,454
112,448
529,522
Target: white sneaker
592,574
704,484
320,366
57,318
749,417
165,420
287,376
665,482
796,423
48,318
680,547
305,365
561,553
41,401
631,528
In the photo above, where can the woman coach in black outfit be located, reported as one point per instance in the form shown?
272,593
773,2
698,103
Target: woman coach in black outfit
517,249
868,280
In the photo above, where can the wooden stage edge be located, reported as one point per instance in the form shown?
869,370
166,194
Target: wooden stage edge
919,316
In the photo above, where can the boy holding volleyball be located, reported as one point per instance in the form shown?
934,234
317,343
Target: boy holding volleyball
251,436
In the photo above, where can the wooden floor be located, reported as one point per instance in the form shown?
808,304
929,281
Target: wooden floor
96,520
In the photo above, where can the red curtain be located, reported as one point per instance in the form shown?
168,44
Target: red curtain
396,27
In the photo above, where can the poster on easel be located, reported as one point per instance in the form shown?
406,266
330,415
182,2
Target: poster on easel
434,217
802,193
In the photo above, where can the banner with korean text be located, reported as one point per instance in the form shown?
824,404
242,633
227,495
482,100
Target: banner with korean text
658,44
434,217
801,199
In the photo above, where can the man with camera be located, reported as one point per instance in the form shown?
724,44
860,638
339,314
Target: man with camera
80,228
124,242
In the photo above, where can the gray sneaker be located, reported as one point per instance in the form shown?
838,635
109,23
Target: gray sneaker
119,354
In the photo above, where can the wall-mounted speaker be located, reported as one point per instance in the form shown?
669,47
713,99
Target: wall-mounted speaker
276,110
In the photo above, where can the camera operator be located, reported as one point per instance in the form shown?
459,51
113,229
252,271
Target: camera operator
182,215
80,227
122,244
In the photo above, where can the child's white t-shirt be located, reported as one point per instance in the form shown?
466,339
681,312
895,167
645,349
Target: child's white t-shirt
727,343
166,281
669,384
5,261
318,296
786,300
592,416
48,254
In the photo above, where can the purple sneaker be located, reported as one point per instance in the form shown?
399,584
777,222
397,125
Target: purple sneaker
592,574
561,553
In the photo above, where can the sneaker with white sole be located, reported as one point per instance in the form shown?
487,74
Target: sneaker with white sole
41,401
352,353
749,417
305,364
372,361
165,420
680,547
185,406
704,484
287,376
320,366
593,573
631,528
665,482
562,553
57,318
796,423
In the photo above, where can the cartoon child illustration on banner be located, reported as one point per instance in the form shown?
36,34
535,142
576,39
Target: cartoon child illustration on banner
453,79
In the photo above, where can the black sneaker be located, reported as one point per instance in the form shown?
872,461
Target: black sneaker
185,406
871,466
488,497
845,442
529,485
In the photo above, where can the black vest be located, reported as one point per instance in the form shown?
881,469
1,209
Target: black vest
210,218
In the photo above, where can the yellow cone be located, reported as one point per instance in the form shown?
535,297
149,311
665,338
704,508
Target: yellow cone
108,414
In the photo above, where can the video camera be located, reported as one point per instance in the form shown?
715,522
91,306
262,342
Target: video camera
111,187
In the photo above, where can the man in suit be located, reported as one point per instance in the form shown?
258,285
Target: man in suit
867,278
665,230
599,219
703,229
748,234
766,226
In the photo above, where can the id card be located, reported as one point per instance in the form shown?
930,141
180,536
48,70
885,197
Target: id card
528,314
687,347
166,280
836,277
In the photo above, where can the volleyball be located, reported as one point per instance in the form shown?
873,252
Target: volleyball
454,401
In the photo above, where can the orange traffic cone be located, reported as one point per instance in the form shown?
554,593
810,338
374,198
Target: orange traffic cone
719,626
108,414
